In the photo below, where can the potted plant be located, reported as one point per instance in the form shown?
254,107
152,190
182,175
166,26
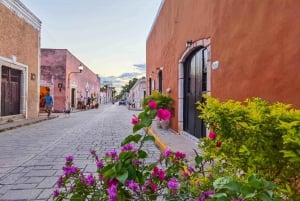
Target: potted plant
162,105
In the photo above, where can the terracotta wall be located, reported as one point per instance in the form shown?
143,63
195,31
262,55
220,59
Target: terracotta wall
56,65
20,39
255,41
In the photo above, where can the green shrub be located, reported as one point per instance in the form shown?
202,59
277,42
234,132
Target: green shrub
255,137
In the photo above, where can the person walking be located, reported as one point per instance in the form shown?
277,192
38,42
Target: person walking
48,103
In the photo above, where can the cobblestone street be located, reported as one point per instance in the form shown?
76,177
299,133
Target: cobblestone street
31,157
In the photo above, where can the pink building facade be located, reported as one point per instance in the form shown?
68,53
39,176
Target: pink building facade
69,87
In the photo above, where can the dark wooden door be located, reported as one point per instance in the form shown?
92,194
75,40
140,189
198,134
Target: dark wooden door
10,91
160,78
194,87
73,97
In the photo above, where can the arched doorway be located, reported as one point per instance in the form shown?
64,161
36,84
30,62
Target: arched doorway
194,81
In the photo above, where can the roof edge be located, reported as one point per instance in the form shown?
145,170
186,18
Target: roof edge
155,19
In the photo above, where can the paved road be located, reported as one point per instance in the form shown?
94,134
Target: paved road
31,157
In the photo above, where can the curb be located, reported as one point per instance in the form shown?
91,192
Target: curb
25,124
159,143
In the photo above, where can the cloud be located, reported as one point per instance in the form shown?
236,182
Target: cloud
129,75
140,67
123,79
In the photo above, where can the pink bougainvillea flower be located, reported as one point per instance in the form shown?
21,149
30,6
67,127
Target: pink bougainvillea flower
163,114
69,159
153,187
135,120
167,152
179,155
56,193
112,191
158,172
173,185
127,147
90,180
92,151
219,144
68,170
132,185
99,164
101,177
212,135
152,104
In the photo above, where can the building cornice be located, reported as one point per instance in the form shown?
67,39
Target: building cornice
17,7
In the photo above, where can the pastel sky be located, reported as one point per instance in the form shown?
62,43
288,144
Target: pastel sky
108,36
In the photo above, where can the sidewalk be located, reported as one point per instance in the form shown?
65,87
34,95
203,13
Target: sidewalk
24,122
176,142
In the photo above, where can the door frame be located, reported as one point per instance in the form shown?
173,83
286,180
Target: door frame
11,63
203,43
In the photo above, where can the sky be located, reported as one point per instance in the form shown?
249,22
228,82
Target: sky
108,36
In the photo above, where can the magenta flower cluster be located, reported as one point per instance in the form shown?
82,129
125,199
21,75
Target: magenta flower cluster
173,185
127,147
152,104
163,114
135,120
213,136
158,172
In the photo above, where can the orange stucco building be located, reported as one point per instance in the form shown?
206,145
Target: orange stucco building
230,49
19,61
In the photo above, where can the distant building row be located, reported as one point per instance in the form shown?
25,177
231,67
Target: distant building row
28,72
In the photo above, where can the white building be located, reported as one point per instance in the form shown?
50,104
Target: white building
137,93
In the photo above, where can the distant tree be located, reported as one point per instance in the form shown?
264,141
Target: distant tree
126,88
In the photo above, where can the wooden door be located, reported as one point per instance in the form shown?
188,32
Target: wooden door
195,81
10,91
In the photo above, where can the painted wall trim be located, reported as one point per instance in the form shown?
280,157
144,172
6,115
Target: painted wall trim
24,81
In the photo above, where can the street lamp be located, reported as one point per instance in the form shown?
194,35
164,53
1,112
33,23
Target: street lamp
80,68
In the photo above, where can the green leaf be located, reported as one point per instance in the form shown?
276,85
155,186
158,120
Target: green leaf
122,177
252,177
247,192
131,138
219,195
125,155
131,172
264,197
220,182
118,167
148,138
142,154
108,172
198,159
77,197
233,186
223,199
137,127
146,122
